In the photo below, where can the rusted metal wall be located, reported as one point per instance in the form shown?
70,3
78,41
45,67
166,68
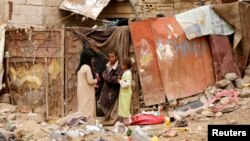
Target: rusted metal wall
223,58
183,67
144,46
35,70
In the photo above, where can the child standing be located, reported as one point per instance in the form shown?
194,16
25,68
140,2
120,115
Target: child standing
125,94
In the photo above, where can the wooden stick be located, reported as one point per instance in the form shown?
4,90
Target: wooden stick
46,88
62,70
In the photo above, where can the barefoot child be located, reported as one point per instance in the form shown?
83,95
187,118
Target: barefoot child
125,94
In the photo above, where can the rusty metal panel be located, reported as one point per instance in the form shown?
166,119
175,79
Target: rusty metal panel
35,66
223,58
88,8
146,59
185,66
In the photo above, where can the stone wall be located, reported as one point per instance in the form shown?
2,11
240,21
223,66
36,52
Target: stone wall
142,9
45,13
36,13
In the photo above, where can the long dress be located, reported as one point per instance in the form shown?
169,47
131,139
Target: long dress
86,92
125,94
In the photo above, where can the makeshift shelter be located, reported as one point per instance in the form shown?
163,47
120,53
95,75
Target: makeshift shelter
169,65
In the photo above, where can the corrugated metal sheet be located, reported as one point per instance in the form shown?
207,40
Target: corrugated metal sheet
88,8
185,66
146,58
223,58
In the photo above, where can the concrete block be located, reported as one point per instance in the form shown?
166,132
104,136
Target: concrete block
186,4
35,2
163,8
53,2
16,9
28,10
151,1
55,11
19,1
47,10
240,83
177,5
222,83
50,19
169,13
17,19
34,20
39,11
167,1
231,76
124,9
245,92
138,8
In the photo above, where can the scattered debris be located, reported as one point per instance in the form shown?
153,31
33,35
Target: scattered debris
230,86
207,113
12,116
5,98
170,133
222,83
246,79
144,119
233,98
181,123
245,92
231,76
219,114
240,83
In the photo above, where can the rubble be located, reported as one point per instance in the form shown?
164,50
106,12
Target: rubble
219,114
224,100
247,72
246,79
187,100
222,83
245,92
230,86
5,98
207,113
7,108
240,83
231,76
12,117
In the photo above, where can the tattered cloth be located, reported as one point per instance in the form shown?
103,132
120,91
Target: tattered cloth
106,39
203,21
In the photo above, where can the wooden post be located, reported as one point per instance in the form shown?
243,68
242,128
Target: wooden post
62,71
46,87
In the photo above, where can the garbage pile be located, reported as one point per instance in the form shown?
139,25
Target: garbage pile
225,96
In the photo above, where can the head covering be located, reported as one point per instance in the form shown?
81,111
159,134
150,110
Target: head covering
85,59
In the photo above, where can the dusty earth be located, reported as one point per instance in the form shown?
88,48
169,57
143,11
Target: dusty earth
197,128
31,126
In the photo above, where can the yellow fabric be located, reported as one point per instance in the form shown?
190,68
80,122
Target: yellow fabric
54,69
125,94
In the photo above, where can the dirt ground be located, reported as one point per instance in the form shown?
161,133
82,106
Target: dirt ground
31,127
197,129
